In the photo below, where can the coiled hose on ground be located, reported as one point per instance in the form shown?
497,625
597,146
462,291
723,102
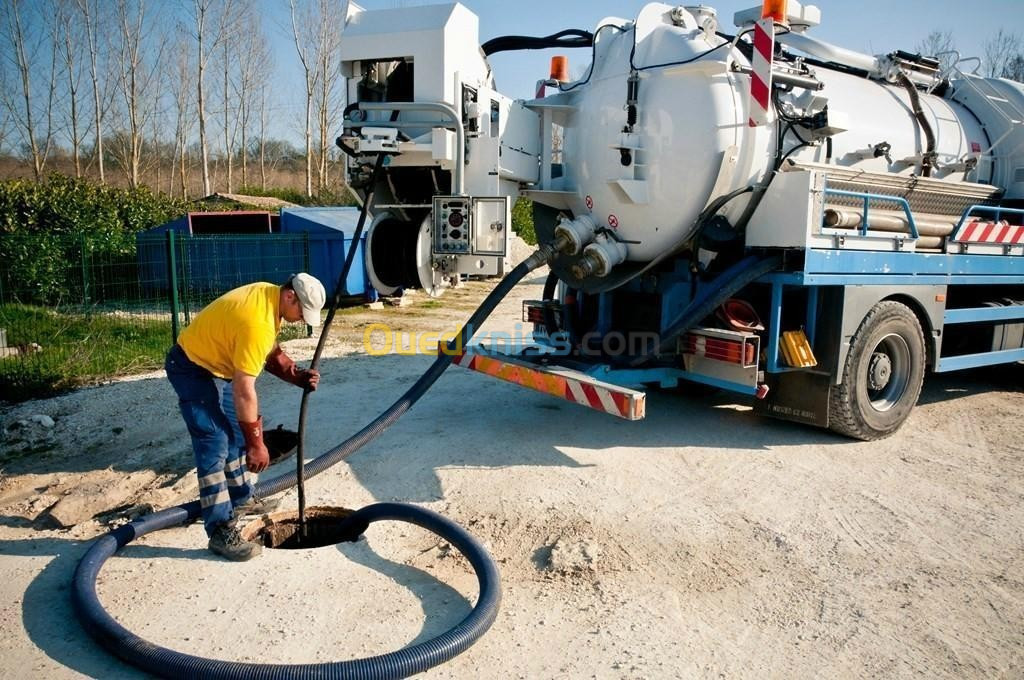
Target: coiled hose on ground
168,663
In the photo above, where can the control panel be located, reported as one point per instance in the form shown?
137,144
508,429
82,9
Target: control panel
465,225
453,218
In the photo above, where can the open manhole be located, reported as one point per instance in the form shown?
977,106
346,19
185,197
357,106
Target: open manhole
324,526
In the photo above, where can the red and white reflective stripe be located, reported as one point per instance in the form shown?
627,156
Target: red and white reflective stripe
761,75
621,402
980,231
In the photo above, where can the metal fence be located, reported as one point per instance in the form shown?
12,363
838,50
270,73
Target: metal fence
81,310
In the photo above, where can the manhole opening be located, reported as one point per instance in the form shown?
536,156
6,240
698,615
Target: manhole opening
324,526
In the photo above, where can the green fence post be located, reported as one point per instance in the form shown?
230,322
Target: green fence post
85,273
187,250
172,275
305,251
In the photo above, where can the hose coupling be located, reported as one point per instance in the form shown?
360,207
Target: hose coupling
599,257
575,234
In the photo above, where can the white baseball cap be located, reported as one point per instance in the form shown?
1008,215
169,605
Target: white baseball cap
311,295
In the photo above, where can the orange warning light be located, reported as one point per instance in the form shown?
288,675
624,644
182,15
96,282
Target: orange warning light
774,9
559,68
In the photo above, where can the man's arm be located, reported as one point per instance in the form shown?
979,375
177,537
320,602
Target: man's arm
281,365
247,406
247,412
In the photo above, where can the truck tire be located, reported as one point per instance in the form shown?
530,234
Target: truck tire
882,375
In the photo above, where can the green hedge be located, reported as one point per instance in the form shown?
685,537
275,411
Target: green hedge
46,226
65,206
522,220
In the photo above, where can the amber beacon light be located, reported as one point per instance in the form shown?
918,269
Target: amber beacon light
559,68
774,9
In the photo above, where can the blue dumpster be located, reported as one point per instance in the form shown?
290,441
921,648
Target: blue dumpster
329,231
218,251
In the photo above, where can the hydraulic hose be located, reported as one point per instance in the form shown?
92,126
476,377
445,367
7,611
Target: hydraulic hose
300,456
153,658
398,664
571,37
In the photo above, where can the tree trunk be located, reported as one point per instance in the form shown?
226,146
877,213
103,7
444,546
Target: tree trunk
263,137
201,98
228,150
184,182
28,122
309,143
90,30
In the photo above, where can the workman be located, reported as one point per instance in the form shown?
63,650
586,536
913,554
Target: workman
213,369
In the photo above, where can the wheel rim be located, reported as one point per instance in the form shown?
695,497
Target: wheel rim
888,372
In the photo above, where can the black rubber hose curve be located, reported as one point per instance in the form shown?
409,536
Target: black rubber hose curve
398,664
158,660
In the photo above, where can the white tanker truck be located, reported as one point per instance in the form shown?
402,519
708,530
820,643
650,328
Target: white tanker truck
747,207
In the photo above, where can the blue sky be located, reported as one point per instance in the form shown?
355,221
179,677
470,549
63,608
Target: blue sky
872,26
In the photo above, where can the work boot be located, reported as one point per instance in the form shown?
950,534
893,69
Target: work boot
257,506
227,542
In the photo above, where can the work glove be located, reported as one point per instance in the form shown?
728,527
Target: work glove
257,458
281,365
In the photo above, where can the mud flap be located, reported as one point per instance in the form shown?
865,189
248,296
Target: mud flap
800,396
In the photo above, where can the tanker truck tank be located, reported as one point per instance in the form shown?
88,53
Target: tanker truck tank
658,137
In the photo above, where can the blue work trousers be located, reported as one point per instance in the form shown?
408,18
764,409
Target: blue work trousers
208,407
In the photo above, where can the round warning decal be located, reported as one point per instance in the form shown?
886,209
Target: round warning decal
613,221
590,203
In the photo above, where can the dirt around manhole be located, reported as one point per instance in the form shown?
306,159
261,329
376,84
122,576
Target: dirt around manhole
324,526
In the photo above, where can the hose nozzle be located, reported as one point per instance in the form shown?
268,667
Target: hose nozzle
575,234
599,257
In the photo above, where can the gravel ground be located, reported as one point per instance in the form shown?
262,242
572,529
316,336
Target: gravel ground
702,541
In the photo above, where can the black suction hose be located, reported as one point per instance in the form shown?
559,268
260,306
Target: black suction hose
398,664
161,661
928,159
300,456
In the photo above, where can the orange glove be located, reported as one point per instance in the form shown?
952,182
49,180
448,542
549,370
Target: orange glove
257,458
281,365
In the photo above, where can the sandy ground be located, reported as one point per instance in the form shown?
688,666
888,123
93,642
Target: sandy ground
701,542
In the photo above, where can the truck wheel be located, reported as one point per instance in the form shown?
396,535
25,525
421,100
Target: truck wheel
882,376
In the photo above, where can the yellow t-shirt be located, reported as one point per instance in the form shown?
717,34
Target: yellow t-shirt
235,332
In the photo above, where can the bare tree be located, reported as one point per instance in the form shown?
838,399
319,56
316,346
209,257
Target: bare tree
228,47
68,37
90,10
180,88
25,43
141,47
1004,55
303,26
328,96
939,44
263,136
254,68
211,19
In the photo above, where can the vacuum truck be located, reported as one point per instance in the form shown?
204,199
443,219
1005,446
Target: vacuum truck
744,206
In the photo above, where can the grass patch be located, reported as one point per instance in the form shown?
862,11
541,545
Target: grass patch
75,349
